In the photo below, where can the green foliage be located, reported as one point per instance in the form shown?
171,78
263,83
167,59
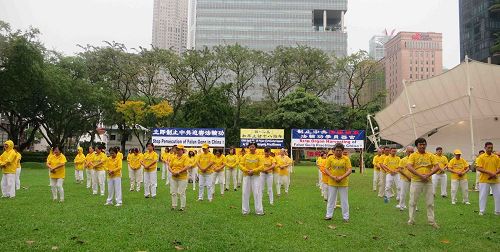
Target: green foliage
208,110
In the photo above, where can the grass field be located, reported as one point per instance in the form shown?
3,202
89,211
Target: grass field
32,221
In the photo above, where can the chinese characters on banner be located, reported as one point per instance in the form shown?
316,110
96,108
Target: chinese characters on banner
190,137
323,138
272,138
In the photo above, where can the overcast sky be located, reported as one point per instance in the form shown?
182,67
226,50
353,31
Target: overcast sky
66,23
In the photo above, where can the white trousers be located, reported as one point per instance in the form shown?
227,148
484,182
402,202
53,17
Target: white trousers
166,171
392,180
219,178
90,175
178,190
56,186
464,186
18,178
417,188
194,174
135,179
439,179
114,190
381,183
231,174
282,180
150,183
251,184
324,190
240,177
267,180
404,189
476,185
78,175
98,181
320,174
205,182
375,179
484,189
9,185
332,199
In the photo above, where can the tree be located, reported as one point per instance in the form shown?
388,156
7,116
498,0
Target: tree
206,68
211,110
276,69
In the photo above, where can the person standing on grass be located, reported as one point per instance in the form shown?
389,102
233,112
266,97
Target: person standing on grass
489,166
150,163
18,169
240,173
321,163
478,173
251,166
283,163
135,172
165,171
57,168
114,170
383,173
458,168
193,169
405,176
391,166
205,162
376,168
79,162
338,168
231,169
219,176
267,174
422,165
88,166
8,164
440,177
178,167
99,166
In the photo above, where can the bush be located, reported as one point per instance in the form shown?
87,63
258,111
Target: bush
368,158
41,157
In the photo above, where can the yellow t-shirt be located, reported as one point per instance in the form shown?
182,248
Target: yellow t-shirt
404,169
321,163
392,163
231,161
53,161
192,162
458,166
135,161
490,163
377,159
443,163
283,162
251,162
89,158
79,161
149,158
119,155
422,163
18,159
267,163
8,161
338,167
218,161
204,160
165,157
100,158
114,164
178,163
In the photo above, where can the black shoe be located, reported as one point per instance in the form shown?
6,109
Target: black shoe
235,189
226,189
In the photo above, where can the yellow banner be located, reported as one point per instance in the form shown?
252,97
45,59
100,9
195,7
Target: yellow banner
262,133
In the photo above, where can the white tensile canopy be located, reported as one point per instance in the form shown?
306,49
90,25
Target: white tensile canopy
442,110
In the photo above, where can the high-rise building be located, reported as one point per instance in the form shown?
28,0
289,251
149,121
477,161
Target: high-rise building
377,42
170,24
479,22
411,56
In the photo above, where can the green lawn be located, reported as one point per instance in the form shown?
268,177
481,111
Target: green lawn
295,223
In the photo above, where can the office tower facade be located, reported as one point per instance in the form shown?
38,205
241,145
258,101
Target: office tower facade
170,24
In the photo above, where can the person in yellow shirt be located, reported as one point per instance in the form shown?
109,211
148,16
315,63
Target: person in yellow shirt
57,167
150,163
88,167
240,173
165,171
422,165
193,169
478,173
267,174
251,165
135,174
383,172
289,170
321,163
219,165
178,167
391,166
376,168
79,162
440,177
99,166
8,164
338,168
405,178
489,166
232,161
458,168
18,169
114,170
205,162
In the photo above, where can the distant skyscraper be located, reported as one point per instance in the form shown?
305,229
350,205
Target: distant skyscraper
170,25
478,25
411,56
377,45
